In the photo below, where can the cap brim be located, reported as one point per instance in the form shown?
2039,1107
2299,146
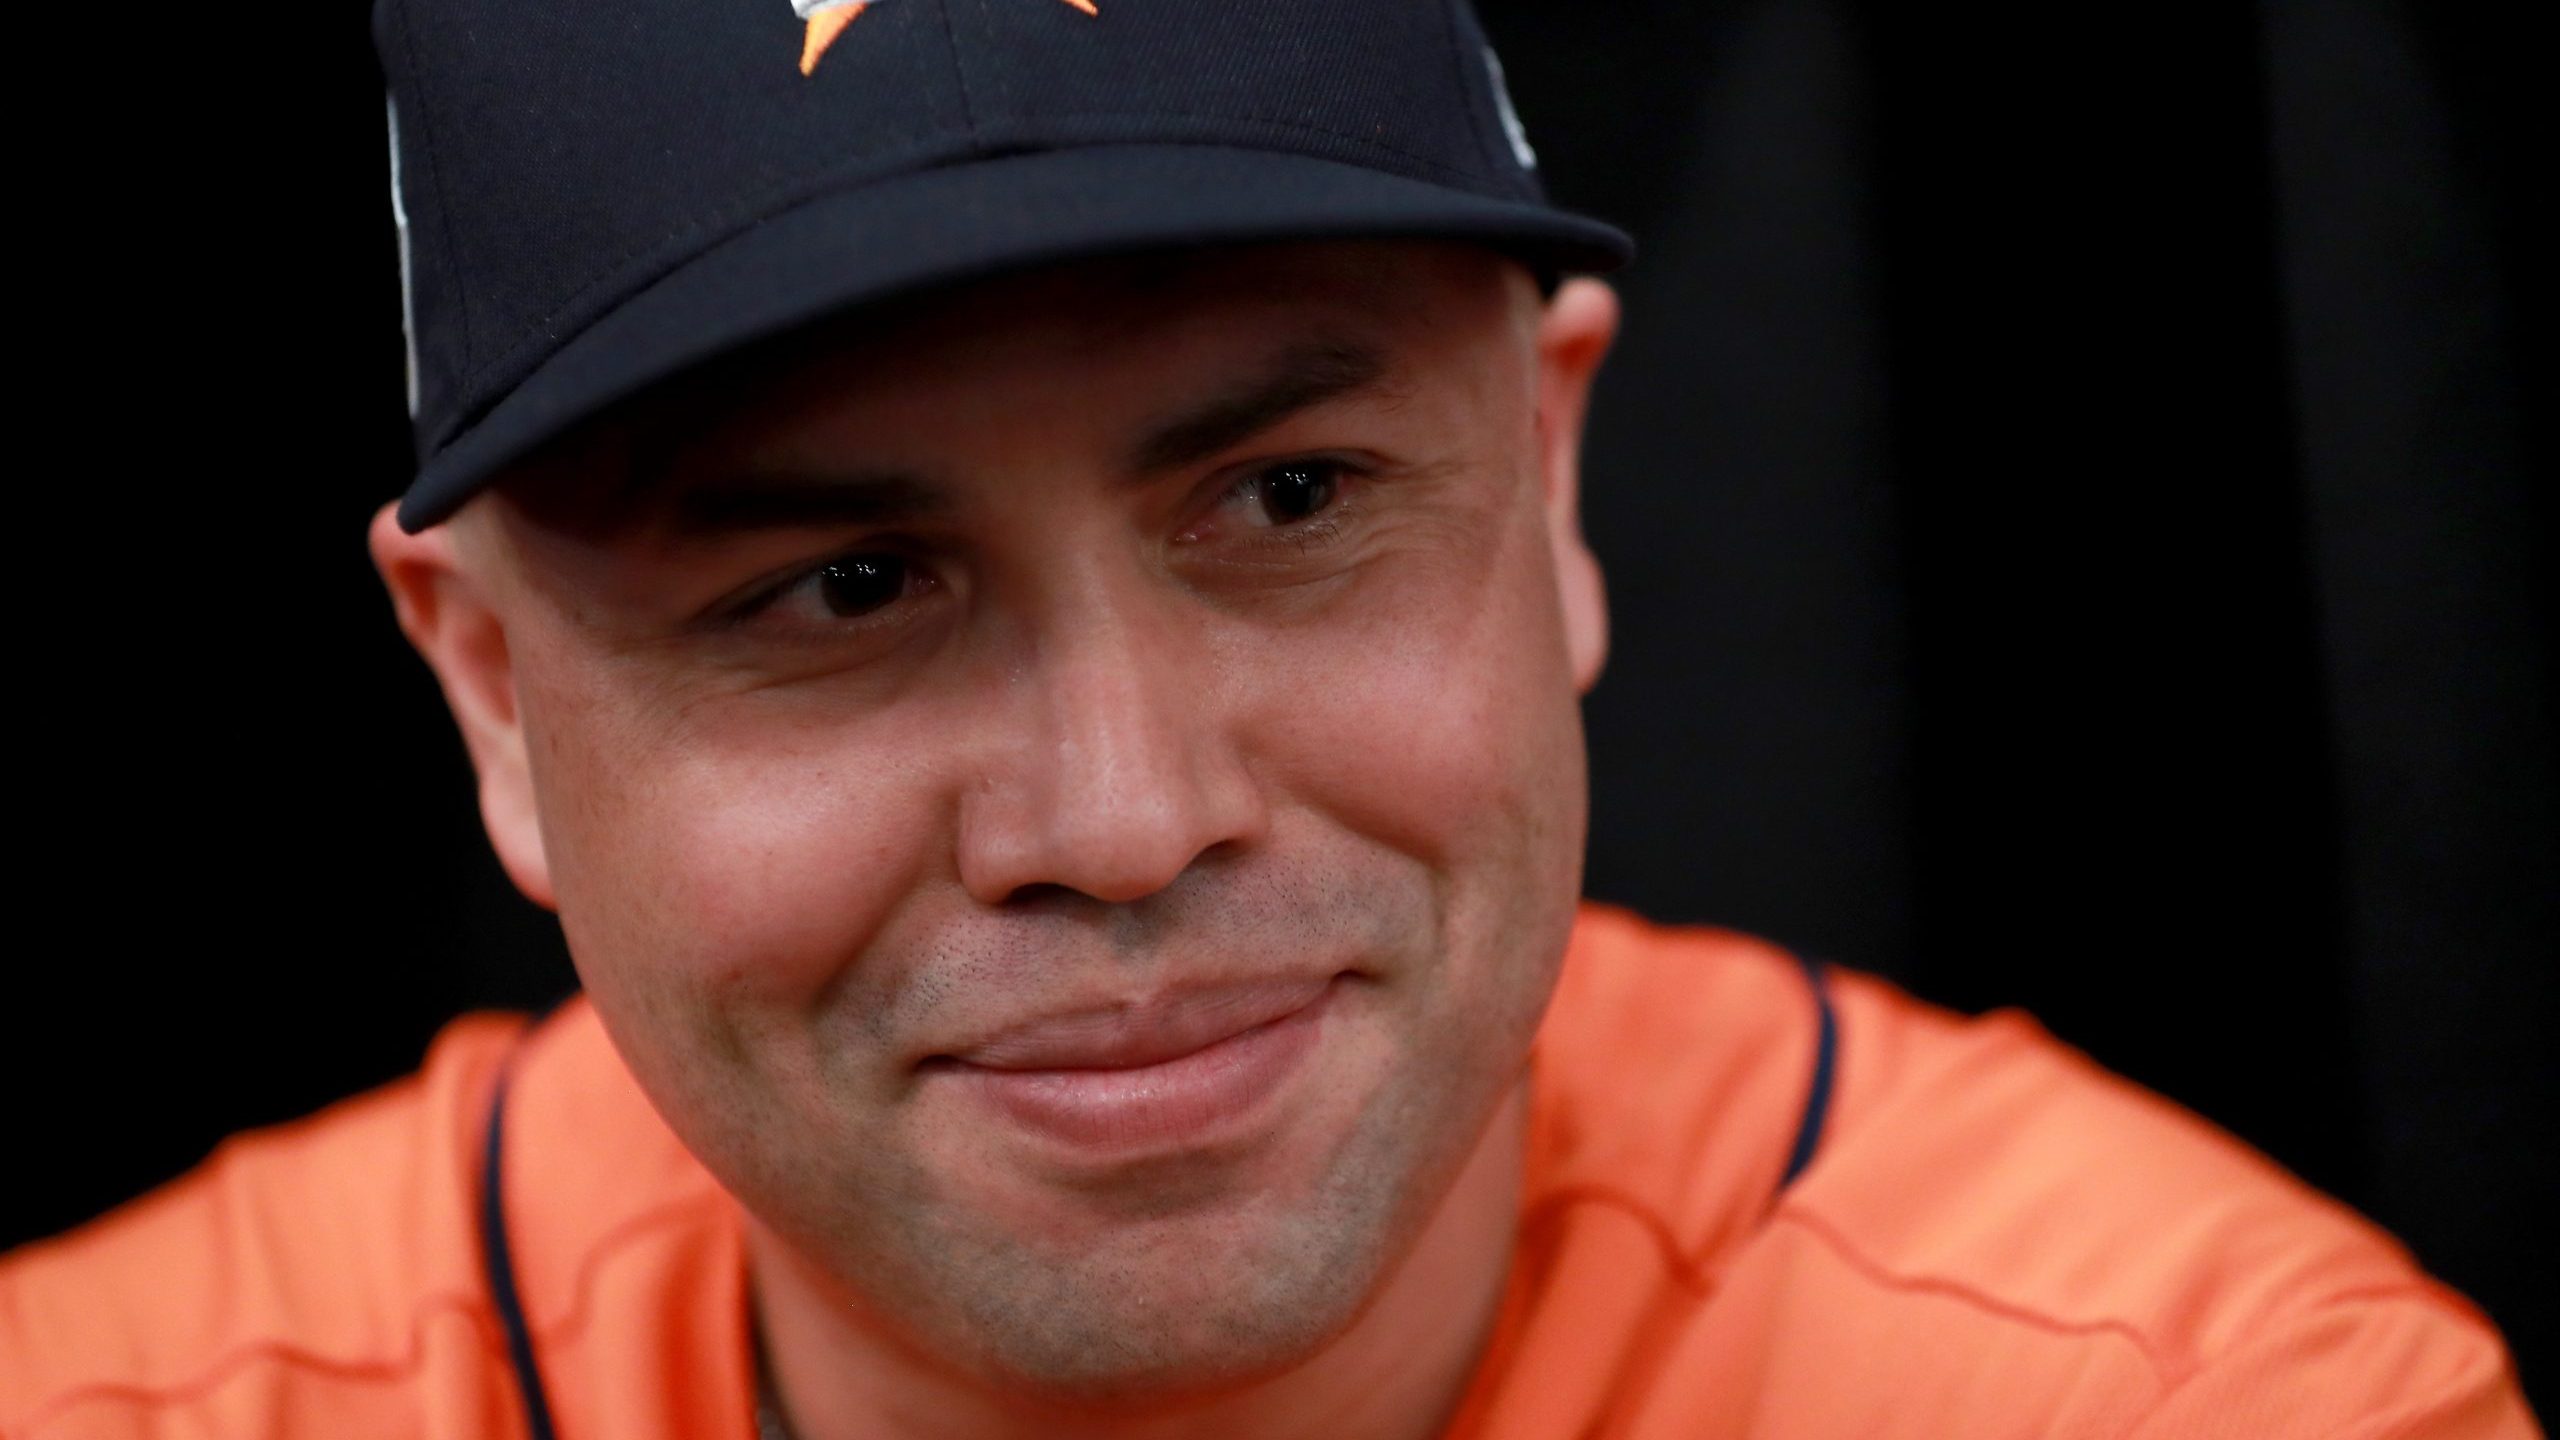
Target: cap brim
963,222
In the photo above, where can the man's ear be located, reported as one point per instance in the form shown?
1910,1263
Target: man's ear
446,610
1573,337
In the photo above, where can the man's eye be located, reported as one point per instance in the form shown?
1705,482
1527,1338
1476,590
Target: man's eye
1295,492
859,584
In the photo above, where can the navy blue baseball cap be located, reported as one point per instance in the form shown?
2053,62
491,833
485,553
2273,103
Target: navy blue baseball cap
595,195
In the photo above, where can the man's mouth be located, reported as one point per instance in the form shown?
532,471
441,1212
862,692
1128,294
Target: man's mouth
1166,1072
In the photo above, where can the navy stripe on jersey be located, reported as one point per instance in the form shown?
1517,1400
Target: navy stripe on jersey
502,1271
1817,1100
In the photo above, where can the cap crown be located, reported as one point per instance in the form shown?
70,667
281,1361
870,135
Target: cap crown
550,159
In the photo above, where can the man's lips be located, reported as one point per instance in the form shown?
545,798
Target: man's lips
1141,1032
1163,1073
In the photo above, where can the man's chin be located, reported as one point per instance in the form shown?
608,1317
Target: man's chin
1180,1272
1211,1297
1175,1267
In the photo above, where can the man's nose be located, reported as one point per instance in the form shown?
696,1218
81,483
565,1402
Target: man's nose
1112,762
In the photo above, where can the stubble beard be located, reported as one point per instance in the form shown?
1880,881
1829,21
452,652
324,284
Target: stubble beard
1186,1305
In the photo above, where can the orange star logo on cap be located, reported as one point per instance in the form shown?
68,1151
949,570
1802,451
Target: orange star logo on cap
827,19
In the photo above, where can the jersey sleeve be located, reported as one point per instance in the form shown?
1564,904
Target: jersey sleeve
2413,1364
297,1283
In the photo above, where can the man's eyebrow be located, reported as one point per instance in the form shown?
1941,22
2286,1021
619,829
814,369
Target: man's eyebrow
1301,376
787,501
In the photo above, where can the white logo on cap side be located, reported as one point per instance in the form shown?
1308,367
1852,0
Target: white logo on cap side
1512,129
408,284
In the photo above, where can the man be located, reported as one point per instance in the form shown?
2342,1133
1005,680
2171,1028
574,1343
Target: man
1011,572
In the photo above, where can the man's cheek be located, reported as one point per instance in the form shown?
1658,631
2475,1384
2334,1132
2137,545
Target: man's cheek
752,878
1432,719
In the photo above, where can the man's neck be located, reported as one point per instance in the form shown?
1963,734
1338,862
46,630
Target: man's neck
1398,1373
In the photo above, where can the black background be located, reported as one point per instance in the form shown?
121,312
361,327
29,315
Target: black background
2076,494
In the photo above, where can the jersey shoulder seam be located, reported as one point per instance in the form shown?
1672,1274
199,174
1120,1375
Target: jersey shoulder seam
1698,1273
471,1305
1694,1273
2168,1373
565,1325
241,1354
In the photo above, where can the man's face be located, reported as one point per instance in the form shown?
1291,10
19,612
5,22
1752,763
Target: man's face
1071,799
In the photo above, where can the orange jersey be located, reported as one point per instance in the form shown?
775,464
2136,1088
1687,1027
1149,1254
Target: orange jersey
1761,1201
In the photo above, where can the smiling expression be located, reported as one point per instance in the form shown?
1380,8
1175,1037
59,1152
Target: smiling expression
1069,794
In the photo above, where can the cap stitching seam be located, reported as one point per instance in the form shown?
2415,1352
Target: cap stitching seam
1004,87
913,44
1466,92
959,70
450,261
815,184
